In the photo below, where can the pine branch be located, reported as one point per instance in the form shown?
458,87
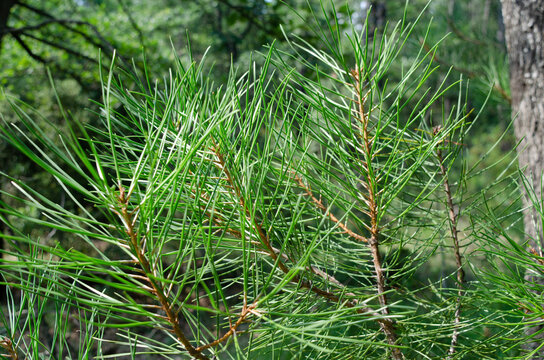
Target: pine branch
372,202
220,222
246,310
221,164
129,220
453,218
319,204
274,254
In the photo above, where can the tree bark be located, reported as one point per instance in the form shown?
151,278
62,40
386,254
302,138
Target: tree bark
524,32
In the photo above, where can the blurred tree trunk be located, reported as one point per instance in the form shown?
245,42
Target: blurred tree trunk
378,15
5,10
485,17
524,26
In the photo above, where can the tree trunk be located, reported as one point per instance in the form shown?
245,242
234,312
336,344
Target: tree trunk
524,27
378,15
5,10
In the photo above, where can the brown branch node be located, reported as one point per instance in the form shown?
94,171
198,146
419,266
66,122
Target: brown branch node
7,345
319,204
246,310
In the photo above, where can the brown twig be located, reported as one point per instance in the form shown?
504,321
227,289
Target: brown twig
243,315
453,219
221,164
129,220
372,203
502,92
319,204
7,345
533,251
274,254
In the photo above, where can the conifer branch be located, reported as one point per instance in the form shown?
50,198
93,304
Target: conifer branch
372,203
274,254
319,204
453,218
246,310
129,220
221,164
